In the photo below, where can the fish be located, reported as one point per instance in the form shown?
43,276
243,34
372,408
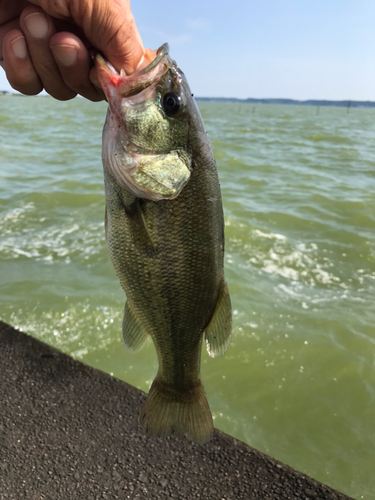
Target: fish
164,229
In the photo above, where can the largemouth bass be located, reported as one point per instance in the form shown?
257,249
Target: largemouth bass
165,236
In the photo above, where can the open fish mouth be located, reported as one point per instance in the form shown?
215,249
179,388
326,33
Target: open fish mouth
130,85
144,144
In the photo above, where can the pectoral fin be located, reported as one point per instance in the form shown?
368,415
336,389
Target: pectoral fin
218,332
133,334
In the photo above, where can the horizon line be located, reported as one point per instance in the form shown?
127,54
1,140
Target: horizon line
253,100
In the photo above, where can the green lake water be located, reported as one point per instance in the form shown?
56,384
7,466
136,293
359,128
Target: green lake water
298,186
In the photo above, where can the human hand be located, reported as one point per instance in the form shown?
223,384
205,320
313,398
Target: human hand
48,44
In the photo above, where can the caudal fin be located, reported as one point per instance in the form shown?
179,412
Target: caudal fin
169,411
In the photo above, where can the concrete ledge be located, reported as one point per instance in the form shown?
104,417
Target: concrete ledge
68,431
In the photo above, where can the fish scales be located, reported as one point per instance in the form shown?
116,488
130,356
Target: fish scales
167,249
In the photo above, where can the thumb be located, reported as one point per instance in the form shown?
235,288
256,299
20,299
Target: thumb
119,39
107,24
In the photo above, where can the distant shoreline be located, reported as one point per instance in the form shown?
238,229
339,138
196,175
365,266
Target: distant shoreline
251,100
309,102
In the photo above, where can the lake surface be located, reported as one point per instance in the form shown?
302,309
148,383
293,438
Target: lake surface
298,185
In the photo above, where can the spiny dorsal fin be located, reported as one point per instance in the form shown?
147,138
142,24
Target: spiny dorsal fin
219,330
133,334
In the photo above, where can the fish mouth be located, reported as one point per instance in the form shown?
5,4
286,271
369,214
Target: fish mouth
121,85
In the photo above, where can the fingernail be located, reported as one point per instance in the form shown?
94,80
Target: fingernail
37,25
19,47
65,54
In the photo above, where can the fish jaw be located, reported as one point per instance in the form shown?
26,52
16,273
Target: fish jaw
109,79
136,151
118,86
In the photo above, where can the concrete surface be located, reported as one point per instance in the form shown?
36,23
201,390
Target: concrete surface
68,431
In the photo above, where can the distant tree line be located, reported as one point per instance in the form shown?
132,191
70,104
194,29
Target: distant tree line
310,102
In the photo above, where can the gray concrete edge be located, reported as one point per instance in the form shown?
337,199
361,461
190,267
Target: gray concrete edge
68,431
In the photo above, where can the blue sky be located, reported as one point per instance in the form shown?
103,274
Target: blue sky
301,49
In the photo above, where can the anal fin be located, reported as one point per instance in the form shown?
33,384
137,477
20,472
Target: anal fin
133,333
219,330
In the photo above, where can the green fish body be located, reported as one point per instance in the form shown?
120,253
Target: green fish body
165,236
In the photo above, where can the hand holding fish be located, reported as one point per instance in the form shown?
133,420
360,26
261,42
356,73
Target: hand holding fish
46,44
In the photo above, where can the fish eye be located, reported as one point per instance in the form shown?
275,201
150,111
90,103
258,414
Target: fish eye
171,103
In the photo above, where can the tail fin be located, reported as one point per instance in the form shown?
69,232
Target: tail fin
170,411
